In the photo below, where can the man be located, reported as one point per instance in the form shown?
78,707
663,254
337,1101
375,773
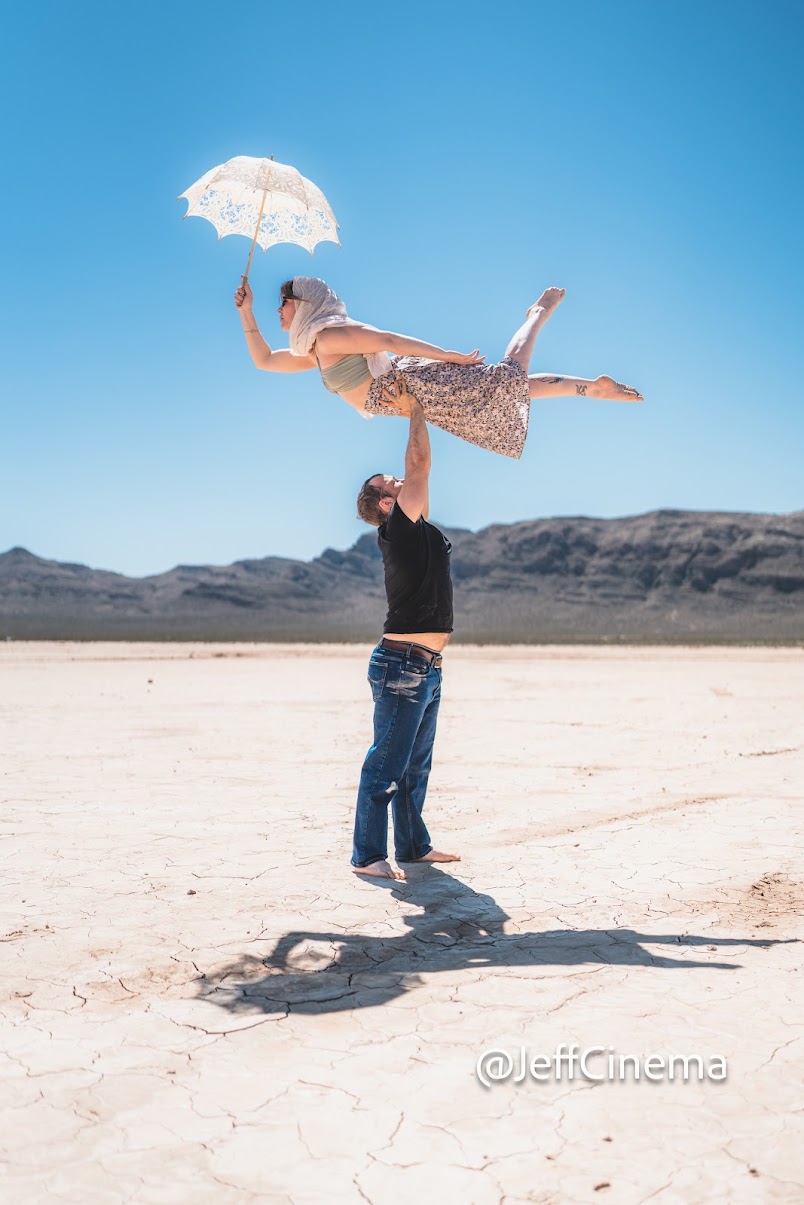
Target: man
405,667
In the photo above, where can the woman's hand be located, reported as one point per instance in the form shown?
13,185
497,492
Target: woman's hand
457,357
244,296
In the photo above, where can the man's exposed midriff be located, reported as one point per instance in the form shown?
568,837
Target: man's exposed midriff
437,641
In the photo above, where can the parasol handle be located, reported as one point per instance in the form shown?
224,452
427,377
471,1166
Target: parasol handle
256,232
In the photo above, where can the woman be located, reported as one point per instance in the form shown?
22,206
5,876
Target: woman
488,405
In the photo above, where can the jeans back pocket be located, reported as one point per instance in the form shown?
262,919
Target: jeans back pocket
377,673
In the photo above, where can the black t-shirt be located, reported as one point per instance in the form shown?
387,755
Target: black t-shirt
417,578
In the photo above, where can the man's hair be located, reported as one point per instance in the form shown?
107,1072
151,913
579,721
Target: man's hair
368,502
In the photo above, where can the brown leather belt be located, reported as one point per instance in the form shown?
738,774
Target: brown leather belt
416,650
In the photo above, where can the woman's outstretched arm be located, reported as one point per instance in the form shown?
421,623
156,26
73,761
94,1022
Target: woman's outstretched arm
260,352
345,340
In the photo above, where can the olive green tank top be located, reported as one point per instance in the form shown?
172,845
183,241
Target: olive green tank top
347,374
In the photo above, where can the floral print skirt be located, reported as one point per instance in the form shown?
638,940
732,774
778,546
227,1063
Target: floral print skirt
487,405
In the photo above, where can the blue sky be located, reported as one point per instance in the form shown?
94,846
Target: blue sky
646,156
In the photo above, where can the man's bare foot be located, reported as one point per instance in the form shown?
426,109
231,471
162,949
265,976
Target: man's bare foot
610,390
379,870
550,300
435,856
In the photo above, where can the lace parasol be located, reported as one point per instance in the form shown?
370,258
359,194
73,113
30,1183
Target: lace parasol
268,202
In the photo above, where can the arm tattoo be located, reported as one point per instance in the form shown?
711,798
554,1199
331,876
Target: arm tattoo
581,389
552,380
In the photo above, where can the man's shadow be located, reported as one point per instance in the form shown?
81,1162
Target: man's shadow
456,929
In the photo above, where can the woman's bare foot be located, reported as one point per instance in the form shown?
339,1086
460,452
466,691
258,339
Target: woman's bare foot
379,870
610,390
435,856
550,300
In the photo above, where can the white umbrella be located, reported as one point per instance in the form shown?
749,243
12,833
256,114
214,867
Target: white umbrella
266,201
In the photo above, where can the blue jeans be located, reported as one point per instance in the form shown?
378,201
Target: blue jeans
406,692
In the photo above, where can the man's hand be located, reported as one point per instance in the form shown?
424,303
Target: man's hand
397,394
457,357
244,296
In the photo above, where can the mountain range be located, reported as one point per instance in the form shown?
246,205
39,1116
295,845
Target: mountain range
666,576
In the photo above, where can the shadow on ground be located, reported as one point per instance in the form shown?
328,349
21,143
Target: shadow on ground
456,929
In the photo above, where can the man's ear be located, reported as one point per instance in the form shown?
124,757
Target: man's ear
386,504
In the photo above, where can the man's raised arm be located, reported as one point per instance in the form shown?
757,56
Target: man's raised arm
414,497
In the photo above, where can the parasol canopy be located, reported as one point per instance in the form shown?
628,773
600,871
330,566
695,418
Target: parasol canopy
266,201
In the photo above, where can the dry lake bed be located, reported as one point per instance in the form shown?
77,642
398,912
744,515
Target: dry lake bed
201,1003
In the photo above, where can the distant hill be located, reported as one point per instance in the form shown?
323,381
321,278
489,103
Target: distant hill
665,576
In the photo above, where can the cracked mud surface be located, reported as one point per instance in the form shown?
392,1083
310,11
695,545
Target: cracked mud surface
200,1001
